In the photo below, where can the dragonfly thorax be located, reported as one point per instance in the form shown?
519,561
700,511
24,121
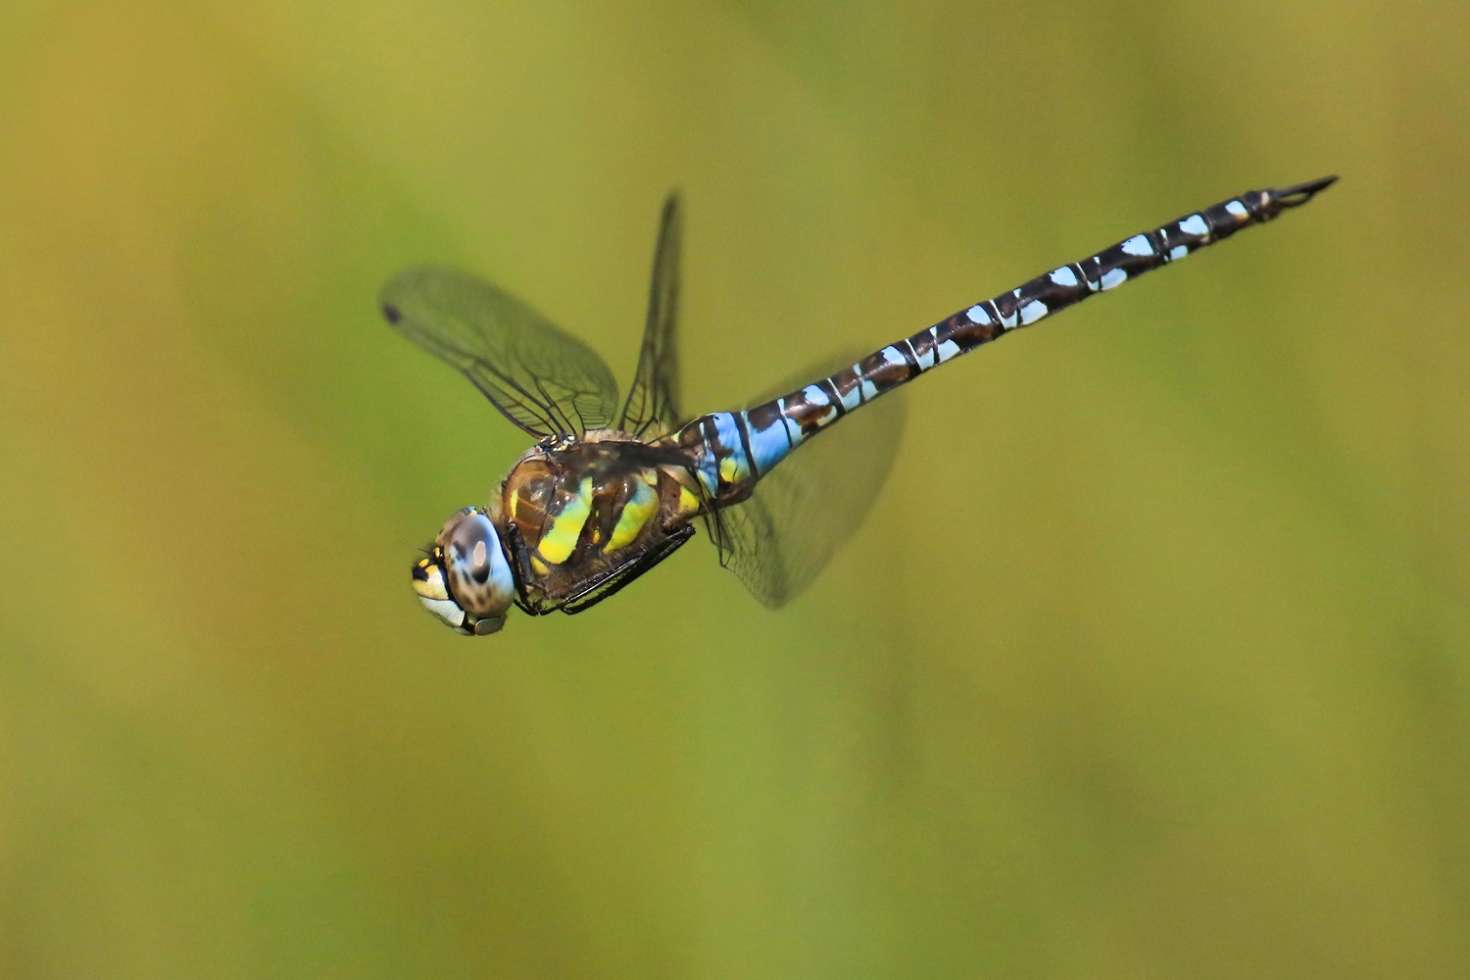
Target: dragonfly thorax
575,512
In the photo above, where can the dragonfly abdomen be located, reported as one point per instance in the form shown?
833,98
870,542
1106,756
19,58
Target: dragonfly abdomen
738,448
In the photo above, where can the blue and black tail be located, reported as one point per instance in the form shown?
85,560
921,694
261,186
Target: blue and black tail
736,449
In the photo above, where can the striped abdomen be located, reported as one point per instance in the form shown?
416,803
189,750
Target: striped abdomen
735,449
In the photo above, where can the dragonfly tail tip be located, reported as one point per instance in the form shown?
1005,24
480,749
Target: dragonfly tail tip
1299,194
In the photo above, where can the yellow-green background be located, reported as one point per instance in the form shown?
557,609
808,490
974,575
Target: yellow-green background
1151,663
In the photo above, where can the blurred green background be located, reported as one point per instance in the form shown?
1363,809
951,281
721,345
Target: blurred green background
1185,693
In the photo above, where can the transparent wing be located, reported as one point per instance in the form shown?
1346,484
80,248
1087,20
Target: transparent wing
652,406
800,515
542,378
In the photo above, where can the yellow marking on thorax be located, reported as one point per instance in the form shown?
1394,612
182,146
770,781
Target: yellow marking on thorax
636,511
688,502
560,539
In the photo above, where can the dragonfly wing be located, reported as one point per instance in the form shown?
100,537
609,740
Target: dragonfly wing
745,536
539,376
652,407
778,540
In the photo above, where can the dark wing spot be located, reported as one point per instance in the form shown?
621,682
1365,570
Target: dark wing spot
391,313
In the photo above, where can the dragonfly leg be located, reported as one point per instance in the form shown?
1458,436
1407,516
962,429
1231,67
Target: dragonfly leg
521,557
625,574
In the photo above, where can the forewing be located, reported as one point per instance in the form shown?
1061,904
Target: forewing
652,408
801,514
542,378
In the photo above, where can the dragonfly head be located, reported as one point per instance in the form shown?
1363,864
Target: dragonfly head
464,578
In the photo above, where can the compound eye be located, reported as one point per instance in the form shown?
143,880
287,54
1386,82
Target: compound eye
479,576
480,561
470,542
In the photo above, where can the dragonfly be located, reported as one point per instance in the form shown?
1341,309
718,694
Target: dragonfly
612,487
